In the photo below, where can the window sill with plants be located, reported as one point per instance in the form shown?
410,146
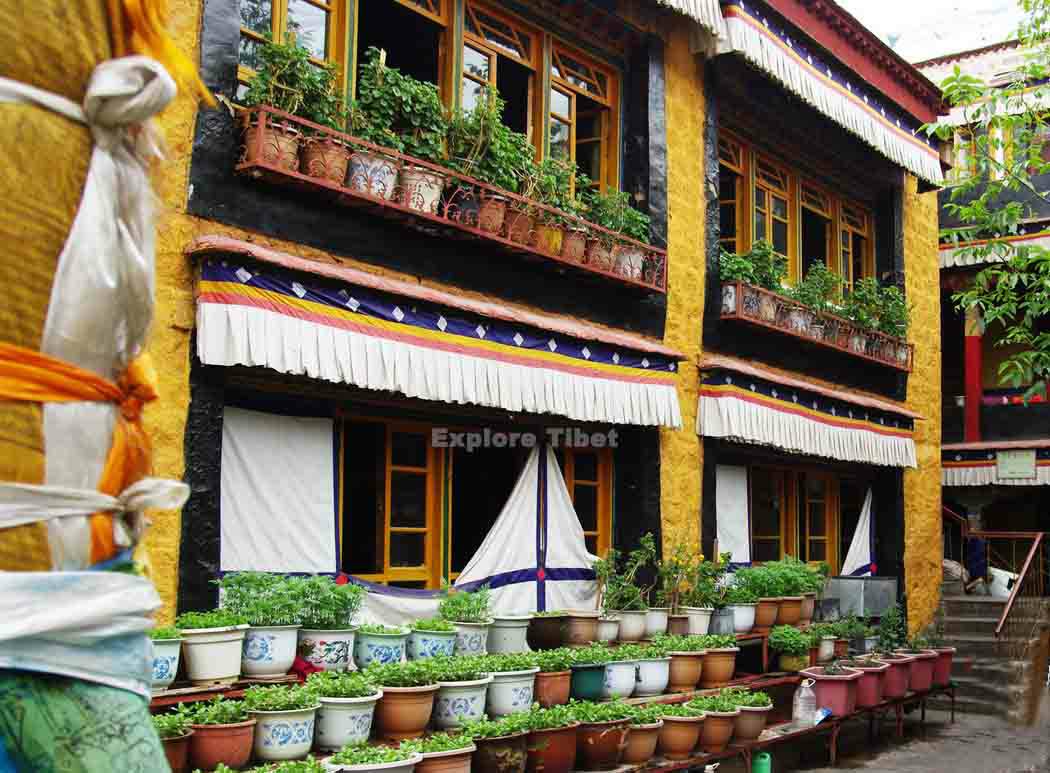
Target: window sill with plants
461,174
869,322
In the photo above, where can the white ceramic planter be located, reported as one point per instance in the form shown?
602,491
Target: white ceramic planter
472,638
404,766
341,721
743,617
431,644
283,735
459,702
507,634
165,662
269,650
511,692
826,649
379,647
608,628
699,619
421,188
327,650
620,679
652,676
213,655
632,625
372,173
655,621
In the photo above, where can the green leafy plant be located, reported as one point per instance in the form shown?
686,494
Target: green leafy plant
260,597
217,711
595,652
719,702
466,606
551,718
324,604
736,268
340,684
747,698
647,715
672,574
551,613
506,662
789,640
718,641
612,210
166,632
437,742
819,290
681,710
382,630
555,660
282,78
618,588
512,724
895,314
852,627
640,651
414,673
433,625
863,306
279,697
707,585
740,594
834,669
892,630
761,266
609,711
219,618
482,146
458,669
173,725
362,753
308,765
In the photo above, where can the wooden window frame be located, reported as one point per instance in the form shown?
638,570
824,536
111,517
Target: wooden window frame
790,487
603,484
867,232
788,191
336,48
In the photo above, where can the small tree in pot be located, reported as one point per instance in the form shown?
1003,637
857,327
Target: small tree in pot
793,646
282,79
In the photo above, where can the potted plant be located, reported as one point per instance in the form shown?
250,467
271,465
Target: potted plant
365,758
546,630
469,612
920,673
815,581
588,672
602,734
431,638
323,155
719,660
371,171
824,635
767,586
841,629
654,667
720,715
896,677
327,611
581,627
554,188
793,646
407,702
513,683
687,660
285,717
642,734
942,668
348,703
856,632
792,576
212,643
612,210
869,686
442,753
167,644
698,600
222,733
621,674
754,713
554,678
382,644
508,633
835,688
463,685
618,591
501,744
270,604
174,731
672,572
608,628
280,79
551,743
681,730
742,601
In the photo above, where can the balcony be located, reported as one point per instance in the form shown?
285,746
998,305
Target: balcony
284,150
764,308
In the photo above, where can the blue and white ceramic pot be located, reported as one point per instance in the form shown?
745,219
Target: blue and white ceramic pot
379,647
511,692
431,644
213,655
653,676
401,766
508,634
341,721
283,735
269,650
372,173
472,638
620,678
327,650
165,662
459,702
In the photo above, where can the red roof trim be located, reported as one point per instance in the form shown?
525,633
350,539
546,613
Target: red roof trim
968,54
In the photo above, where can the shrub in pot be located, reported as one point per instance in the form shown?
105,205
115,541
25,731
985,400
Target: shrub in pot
381,644
920,669
280,80
408,697
463,685
167,645
601,736
348,702
513,682
835,688
681,730
654,667
754,713
720,714
768,586
174,731
468,611
618,591
323,155
431,638
212,645
642,735
326,612
742,601
372,171
551,744
554,678
364,758
222,733
285,717
271,605
547,630
705,589
869,686
442,753
501,744
687,660
793,646
719,660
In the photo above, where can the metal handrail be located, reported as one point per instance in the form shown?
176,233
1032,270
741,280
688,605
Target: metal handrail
1021,580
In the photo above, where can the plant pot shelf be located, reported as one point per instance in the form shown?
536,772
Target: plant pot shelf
764,308
185,693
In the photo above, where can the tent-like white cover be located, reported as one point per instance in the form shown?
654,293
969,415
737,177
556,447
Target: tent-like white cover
861,556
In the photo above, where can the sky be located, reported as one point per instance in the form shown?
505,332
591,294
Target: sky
923,29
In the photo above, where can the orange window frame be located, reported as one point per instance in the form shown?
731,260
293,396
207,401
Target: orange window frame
734,157
854,220
790,486
815,198
768,180
602,483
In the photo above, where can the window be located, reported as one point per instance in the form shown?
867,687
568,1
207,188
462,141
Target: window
316,25
581,122
410,31
767,514
731,174
773,210
817,221
588,478
795,512
501,52
856,256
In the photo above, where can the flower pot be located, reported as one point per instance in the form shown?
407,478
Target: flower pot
421,188
177,751
699,619
213,655
678,625
685,671
641,743
518,225
767,307
654,674
719,665
280,145
547,632
552,688
341,721
582,628
722,622
813,655
502,754
608,628
920,672
620,679
869,686
511,692
841,648
551,751
325,158
809,606
431,644
574,245
492,211
403,712
587,681
679,736
743,617
457,702
895,679
455,761
838,693
327,650
942,668
869,643
765,615
472,638
790,611
165,662
655,621
599,254
509,634
373,174
599,745
379,647
401,766
750,722
826,649
548,237
269,650
632,624
717,729
793,663
283,735
231,745
628,260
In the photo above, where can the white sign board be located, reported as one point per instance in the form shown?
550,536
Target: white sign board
1015,465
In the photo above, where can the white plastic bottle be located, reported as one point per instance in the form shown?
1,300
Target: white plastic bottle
804,706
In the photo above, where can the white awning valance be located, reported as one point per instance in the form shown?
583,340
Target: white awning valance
707,12
983,252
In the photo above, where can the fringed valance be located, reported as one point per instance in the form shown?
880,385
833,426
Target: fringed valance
981,468
707,12
984,252
746,409
780,54
258,316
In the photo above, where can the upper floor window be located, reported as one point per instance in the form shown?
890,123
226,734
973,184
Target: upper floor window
501,52
582,95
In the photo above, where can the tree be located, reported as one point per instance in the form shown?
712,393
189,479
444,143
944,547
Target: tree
1007,128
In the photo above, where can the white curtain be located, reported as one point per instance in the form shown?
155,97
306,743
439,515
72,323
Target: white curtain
733,521
860,557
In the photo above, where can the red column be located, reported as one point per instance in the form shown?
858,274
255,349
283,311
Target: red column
973,375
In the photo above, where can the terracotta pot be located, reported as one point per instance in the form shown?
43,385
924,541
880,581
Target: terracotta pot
765,615
491,213
552,688
404,712
920,673
841,648
717,730
719,666
895,680
502,754
551,751
790,611
587,681
869,686
177,751
793,663
599,745
641,743
548,237
686,669
599,254
547,632
835,692
574,245
518,226
280,145
750,722
325,158
457,761
227,744
679,736
942,669
809,606
813,652
678,625
582,628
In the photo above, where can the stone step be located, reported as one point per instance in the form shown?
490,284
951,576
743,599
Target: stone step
998,670
980,645
972,606
964,705
952,588
966,625
979,688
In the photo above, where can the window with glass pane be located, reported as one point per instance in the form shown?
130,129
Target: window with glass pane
815,507
588,480
855,243
766,513
309,22
579,125
411,32
728,203
499,52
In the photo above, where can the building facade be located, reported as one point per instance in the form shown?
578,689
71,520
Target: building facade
320,346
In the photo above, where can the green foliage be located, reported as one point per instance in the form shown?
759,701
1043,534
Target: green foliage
608,711
892,630
283,78
789,640
437,742
325,605
382,630
672,576
823,630
618,588
482,146
551,718
752,700
647,715
720,702
172,725
760,266
279,697
707,583
340,684
718,641
219,618
894,316
309,765
640,651
681,710
762,581
413,673
551,613
595,652
852,627
362,753
165,632
513,724
466,607
505,662
555,660
612,209
433,625
740,594
863,306
458,669
260,597
819,290
736,268
217,711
